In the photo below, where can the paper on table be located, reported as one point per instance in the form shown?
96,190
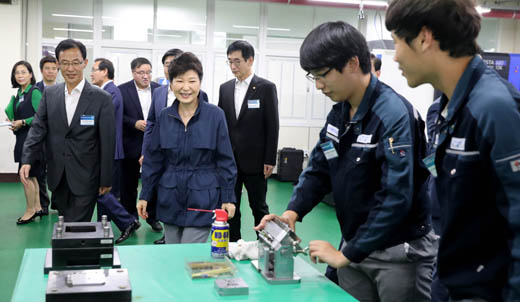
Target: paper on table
5,124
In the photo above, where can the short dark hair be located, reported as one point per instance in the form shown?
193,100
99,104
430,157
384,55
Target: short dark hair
68,44
29,68
245,48
171,52
454,23
183,63
47,59
333,44
105,64
137,62
376,61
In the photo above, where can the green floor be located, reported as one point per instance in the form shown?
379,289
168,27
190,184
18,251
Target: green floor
321,223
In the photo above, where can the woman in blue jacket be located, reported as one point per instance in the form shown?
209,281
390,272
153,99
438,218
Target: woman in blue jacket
189,160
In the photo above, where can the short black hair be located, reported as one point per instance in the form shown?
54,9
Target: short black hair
105,64
245,48
333,44
47,59
376,61
183,63
454,23
137,62
29,68
68,44
171,52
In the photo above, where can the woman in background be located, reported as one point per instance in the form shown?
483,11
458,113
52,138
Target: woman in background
20,111
189,160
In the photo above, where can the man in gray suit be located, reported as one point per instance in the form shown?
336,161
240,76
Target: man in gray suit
76,122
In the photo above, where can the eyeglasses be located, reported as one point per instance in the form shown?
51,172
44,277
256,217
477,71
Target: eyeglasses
142,73
74,64
235,62
318,77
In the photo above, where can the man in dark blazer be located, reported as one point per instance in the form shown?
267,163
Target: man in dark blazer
163,97
102,75
49,71
137,101
251,107
76,122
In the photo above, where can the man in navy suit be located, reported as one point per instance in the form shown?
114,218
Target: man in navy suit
102,75
163,97
49,70
137,101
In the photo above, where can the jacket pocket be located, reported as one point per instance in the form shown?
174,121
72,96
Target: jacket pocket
204,191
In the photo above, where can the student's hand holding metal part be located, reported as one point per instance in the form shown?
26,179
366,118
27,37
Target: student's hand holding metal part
324,252
288,217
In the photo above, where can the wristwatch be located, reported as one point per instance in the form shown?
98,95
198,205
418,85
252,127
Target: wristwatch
24,123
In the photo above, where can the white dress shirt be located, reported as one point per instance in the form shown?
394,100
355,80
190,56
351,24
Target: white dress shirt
145,98
171,98
72,99
240,92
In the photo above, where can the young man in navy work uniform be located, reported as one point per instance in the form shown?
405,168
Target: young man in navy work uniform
369,155
476,163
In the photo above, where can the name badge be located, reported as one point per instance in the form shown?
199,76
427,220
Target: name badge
86,120
458,143
333,133
328,150
21,98
253,104
364,138
429,161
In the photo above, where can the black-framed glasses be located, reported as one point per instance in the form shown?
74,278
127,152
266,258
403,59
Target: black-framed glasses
319,77
74,64
235,62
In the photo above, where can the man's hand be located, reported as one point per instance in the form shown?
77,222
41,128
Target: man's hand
289,217
16,125
141,160
268,170
229,208
104,190
24,173
322,251
141,208
140,125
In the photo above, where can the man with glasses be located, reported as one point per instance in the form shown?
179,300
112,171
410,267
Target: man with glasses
137,100
75,121
251,107
369,156
102,75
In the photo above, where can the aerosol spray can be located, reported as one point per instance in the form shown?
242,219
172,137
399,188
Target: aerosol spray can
220,235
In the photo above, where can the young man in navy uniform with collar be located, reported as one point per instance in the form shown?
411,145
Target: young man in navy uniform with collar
369,156
476,162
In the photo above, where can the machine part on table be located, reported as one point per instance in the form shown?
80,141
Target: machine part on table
81,245
89,285
277,246
231,287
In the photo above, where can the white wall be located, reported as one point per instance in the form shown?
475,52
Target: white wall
11,33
